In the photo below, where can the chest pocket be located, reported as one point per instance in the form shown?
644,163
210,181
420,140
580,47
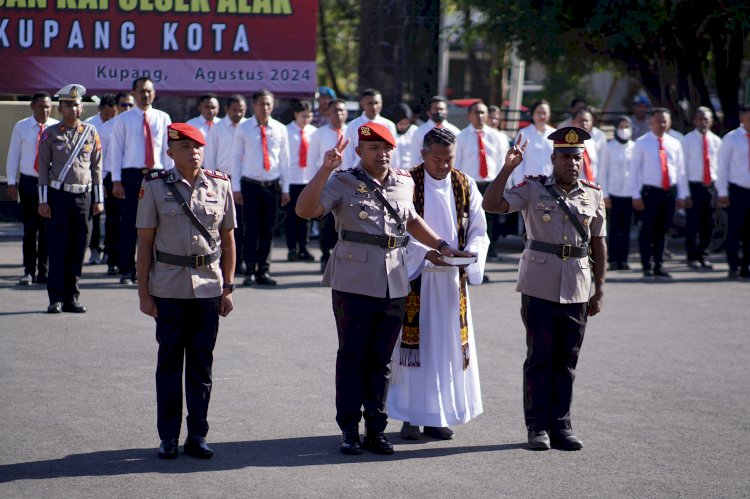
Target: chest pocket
358,205
210,216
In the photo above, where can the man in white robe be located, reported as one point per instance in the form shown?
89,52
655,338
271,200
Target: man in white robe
435,382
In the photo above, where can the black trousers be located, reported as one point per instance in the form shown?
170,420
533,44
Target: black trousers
259,205
494,227
34,228
295,227
68,231
554,335
96,231
186,331
328,235
700,222
239,235
657,218
367,328
131,182
111,222
620,220
738,231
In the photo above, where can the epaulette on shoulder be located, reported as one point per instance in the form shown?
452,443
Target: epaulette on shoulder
591,184
157,174
216,174
404,173
540,178
519,185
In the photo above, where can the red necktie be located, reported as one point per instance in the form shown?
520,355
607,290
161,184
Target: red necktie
748,149
148,143
302,149
482,156
438,125
665,183
210,124
38,139
338,134
706,162
264,143
587,166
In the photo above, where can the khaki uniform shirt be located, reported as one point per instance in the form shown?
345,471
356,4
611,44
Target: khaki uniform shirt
361,268
56,145
544,275
211,201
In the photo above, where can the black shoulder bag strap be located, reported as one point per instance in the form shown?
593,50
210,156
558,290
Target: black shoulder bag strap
183,204
573,219
378,194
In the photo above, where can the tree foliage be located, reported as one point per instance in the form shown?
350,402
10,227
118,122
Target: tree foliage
338,45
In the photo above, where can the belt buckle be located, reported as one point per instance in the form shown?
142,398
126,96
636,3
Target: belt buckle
566,249
391,242
200,261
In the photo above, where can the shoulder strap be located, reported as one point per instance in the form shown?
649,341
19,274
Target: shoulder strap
573,219
194,219
378,194
74,154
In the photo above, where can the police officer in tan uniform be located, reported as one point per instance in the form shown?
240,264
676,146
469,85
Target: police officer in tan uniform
70,156
367,271
565,218
185,264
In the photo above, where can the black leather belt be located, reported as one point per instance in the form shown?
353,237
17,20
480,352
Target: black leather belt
384,241
193,261
269,183
564,251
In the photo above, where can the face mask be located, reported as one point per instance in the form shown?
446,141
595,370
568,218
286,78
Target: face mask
624,133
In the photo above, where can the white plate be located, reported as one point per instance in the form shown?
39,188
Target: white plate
460,260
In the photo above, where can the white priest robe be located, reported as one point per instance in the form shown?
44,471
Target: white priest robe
439,392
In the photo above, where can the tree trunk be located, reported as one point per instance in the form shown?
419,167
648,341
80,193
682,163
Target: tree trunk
326,50
728,46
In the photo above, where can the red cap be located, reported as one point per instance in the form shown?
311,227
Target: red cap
376,131
182,131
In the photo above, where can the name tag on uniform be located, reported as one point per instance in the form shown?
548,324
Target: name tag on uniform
169,197
212,200
361,194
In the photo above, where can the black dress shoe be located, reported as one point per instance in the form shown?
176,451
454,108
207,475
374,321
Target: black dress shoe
55,308
441,433
248,280
565,440
538,439
660,272
624,266
197,447
350,443
648,273
377,443
291,256
264,279
112,270
304,256
168,449
74,307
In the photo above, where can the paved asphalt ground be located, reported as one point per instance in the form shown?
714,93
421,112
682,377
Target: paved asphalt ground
662,398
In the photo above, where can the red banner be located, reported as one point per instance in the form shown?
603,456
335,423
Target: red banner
185,46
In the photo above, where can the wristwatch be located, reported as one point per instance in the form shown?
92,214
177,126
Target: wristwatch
230,286
442,245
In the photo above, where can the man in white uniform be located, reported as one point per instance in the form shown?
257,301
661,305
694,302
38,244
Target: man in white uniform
208,107
436,378
371,102
438,118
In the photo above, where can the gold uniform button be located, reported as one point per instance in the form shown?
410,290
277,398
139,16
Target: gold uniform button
566,217
195,238
349,256
565,238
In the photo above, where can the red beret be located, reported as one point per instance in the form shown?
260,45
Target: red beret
376,131
182,131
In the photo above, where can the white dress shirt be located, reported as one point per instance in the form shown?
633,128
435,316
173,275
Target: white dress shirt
218,152
23,148
496,145
418,138
592,149
600,138
201,124
247,154
324,139
297,174
614,169
104,129
645,165
127,141
734,161
404,142
536,158
351,159
692,147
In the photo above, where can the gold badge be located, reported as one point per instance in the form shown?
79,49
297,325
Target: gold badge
362,188
141,193
365,130
74,92
585,221
174,134
362,214
571,137
546,217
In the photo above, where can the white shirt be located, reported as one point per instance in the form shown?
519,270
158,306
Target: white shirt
218,152
127,141
692,147
593,152
537,157
322,140
352,133
418,138
614,169
734,161
201,124
297,174
22,149
645,165
104,129
404,150
496,145
674,133
600,138
247,154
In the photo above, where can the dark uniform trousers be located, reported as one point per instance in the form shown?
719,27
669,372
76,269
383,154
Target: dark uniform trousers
131,182
294,226
620,219
699,225
260,203
554,335
738,230
186,330
328,236
657,218
368,328
111,222
34,229
68,231
239,235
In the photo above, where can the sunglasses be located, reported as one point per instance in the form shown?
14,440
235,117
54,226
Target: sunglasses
126,105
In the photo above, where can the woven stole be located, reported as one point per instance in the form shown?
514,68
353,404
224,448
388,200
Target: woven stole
409,354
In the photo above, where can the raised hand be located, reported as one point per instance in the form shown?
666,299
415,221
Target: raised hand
333,157
514,155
